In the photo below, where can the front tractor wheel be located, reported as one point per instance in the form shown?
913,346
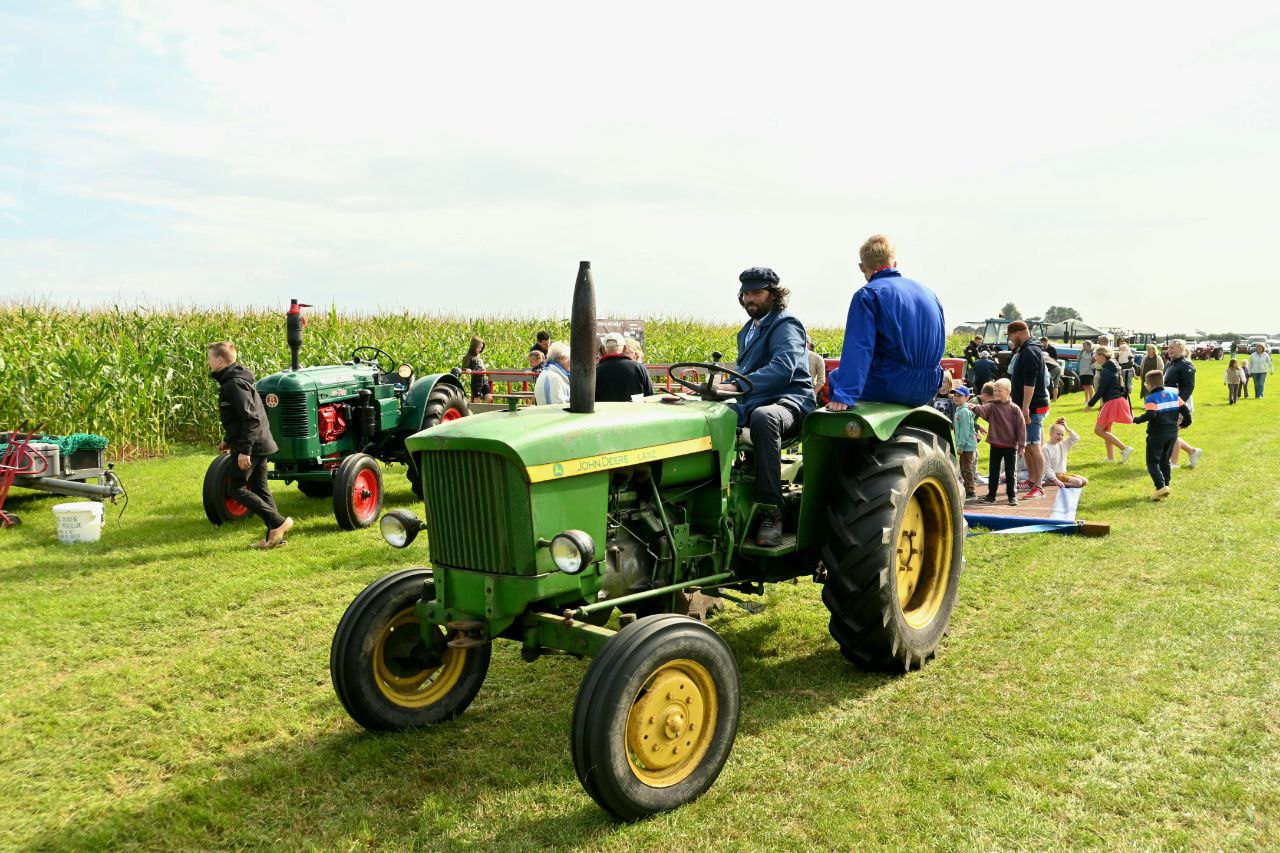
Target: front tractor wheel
219,506
357,491
656,716
895,551
392,672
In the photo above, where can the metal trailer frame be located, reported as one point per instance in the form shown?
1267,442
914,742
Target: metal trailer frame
68,481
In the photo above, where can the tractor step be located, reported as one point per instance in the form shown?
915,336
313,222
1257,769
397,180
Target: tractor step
788,545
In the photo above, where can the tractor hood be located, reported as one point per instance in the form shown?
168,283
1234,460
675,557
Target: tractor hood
339,380
551,442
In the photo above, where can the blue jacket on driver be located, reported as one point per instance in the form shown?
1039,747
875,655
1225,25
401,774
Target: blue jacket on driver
774,356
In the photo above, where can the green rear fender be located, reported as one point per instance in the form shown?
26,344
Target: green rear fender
415,399
829,435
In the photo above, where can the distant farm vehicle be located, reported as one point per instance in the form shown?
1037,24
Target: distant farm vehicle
1206,350
544,520
335,424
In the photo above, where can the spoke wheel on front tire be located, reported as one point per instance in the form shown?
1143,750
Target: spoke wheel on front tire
392,672
656,716
894,551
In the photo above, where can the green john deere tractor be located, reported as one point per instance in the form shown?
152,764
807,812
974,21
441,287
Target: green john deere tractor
544,521
335,424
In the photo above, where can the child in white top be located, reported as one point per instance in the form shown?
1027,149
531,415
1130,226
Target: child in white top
1061,439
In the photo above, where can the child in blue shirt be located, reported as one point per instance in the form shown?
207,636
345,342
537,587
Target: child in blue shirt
1163,412
966,440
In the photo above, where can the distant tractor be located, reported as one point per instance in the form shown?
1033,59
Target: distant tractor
545,520
335,424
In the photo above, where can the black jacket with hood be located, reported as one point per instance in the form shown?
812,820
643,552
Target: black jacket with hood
245,427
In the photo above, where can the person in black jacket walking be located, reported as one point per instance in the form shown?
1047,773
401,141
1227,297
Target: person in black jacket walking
247,434
618,378
1180,375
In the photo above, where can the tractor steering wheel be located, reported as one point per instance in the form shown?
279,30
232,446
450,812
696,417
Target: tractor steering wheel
378,355
707,391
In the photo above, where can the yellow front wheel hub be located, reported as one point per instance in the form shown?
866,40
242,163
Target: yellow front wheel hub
923,553
670,724
410,671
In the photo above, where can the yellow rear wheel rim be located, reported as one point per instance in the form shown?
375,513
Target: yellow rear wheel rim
671,722
403,682
923,553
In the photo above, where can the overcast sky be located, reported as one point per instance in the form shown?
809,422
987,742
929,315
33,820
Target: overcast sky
1123,159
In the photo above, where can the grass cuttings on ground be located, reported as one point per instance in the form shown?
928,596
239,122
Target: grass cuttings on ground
169,688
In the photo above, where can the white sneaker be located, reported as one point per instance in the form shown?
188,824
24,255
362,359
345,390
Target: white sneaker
1195,457
1125,454
1174,465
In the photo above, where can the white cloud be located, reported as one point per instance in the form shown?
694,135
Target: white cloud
467,155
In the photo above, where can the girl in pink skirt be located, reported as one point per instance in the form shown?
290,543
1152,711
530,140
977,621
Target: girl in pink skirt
1115,405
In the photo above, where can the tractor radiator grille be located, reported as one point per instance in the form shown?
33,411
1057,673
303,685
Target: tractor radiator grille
467,510
295,414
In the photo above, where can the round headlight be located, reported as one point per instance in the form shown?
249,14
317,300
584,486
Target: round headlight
399,527
405,371
572,551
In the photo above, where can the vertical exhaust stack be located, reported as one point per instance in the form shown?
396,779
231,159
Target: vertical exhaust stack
293,323
582,343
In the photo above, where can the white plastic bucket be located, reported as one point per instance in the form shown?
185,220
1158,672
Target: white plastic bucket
79,522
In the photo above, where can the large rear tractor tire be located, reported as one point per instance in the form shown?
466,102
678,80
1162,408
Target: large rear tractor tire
895,551
357,491
445,403
656,716
388,672
219,506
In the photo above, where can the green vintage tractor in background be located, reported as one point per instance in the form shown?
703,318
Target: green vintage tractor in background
335,424
635,508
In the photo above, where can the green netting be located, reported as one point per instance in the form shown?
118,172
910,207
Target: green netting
68,444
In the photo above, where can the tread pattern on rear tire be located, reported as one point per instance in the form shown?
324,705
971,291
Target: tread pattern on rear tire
860,590
213,491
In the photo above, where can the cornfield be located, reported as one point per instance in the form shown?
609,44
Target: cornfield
138,375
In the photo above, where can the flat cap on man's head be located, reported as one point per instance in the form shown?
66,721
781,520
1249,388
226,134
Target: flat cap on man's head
757,278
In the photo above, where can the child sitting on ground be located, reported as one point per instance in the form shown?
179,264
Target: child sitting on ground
1061,439
1163,411
1234,380
966,441
1006,435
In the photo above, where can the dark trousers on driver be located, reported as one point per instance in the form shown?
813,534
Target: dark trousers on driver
250,488
770,426
1159,449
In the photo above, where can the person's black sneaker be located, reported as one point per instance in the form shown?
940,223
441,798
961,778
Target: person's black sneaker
987,499
769,533
1013,501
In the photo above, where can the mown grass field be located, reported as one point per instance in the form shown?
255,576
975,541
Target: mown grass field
168,689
